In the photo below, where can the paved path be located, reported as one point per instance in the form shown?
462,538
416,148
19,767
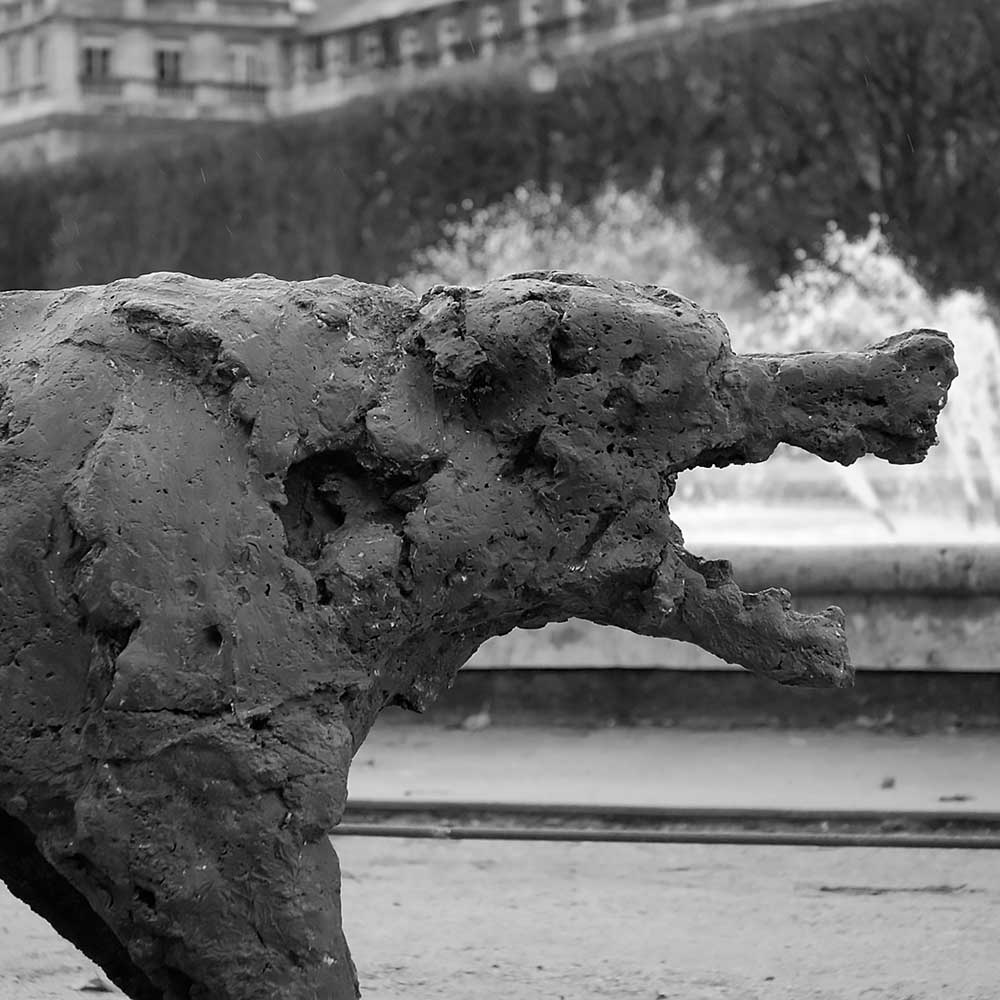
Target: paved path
495,921
482,921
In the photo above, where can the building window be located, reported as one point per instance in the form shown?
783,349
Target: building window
531,13
14,65
449,32
336,54
372,50
317,57
491,22
96,62
411,44
169,67
246,65
41,58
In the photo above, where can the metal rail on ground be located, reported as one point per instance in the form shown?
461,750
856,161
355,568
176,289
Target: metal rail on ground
459,820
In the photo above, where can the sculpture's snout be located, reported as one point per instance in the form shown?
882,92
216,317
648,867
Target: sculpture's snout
882,401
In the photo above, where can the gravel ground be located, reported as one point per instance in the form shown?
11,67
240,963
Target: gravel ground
455,921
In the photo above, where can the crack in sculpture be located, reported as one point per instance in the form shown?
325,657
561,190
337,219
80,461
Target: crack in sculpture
242,517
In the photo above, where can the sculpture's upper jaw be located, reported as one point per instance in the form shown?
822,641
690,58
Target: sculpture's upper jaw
882,401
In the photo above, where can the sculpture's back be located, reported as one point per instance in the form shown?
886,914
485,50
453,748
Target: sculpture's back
240,518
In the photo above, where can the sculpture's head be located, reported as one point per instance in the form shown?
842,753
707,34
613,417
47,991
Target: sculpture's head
575,370
565,405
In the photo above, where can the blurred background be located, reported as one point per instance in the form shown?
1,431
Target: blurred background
823,174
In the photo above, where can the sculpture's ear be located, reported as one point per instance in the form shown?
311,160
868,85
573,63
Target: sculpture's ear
485,340
439,335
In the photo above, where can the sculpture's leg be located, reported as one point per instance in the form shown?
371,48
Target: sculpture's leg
30,877
203,885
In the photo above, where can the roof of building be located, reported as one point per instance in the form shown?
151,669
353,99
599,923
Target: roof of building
333,15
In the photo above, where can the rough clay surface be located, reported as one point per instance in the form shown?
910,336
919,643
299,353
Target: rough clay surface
241,517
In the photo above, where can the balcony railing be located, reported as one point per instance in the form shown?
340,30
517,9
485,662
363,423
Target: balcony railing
175,90
244,93
26,92
555,29
100,86
262,12
184,98
99,8
171,9
241,11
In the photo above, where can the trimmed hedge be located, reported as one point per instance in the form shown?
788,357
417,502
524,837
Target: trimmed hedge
766,133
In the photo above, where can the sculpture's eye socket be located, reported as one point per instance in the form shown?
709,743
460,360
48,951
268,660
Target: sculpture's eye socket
213,637
570,357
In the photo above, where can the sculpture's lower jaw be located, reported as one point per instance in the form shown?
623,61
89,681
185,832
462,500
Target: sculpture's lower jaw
697,600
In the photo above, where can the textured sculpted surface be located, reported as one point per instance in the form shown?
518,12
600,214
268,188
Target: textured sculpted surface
241,517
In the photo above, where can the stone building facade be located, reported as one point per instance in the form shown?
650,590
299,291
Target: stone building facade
351,48
81,76
78,76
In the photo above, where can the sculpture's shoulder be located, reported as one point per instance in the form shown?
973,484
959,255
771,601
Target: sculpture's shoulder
257,320
144,361
260,324
25,316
